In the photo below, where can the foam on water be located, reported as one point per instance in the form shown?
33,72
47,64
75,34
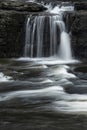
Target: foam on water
4,78
73,107
49,91
67,103
48,61
61,72
59,8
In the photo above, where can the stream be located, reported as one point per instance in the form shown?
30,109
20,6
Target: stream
43,93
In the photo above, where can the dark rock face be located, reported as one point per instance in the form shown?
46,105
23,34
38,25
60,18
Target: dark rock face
11,34
80,6
79,35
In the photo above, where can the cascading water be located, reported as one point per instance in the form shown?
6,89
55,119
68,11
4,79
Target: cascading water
46,35
42,91
65,47
41,36
33,31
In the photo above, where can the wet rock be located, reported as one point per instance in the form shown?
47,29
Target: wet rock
80,6
79,35
76,23
81,69
11,33
21,6
78,89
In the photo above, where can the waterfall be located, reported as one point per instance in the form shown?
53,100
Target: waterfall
46,35
34,36
65,48
41,36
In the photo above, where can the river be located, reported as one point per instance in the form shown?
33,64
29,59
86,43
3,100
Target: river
46,94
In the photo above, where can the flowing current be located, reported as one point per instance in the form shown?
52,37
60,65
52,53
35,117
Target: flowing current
46,89
46,35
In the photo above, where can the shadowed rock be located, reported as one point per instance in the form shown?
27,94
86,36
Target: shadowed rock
80,6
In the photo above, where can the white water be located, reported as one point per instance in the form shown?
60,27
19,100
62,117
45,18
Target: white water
56,76
4,78
43,34
63,102
65,51
51,84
